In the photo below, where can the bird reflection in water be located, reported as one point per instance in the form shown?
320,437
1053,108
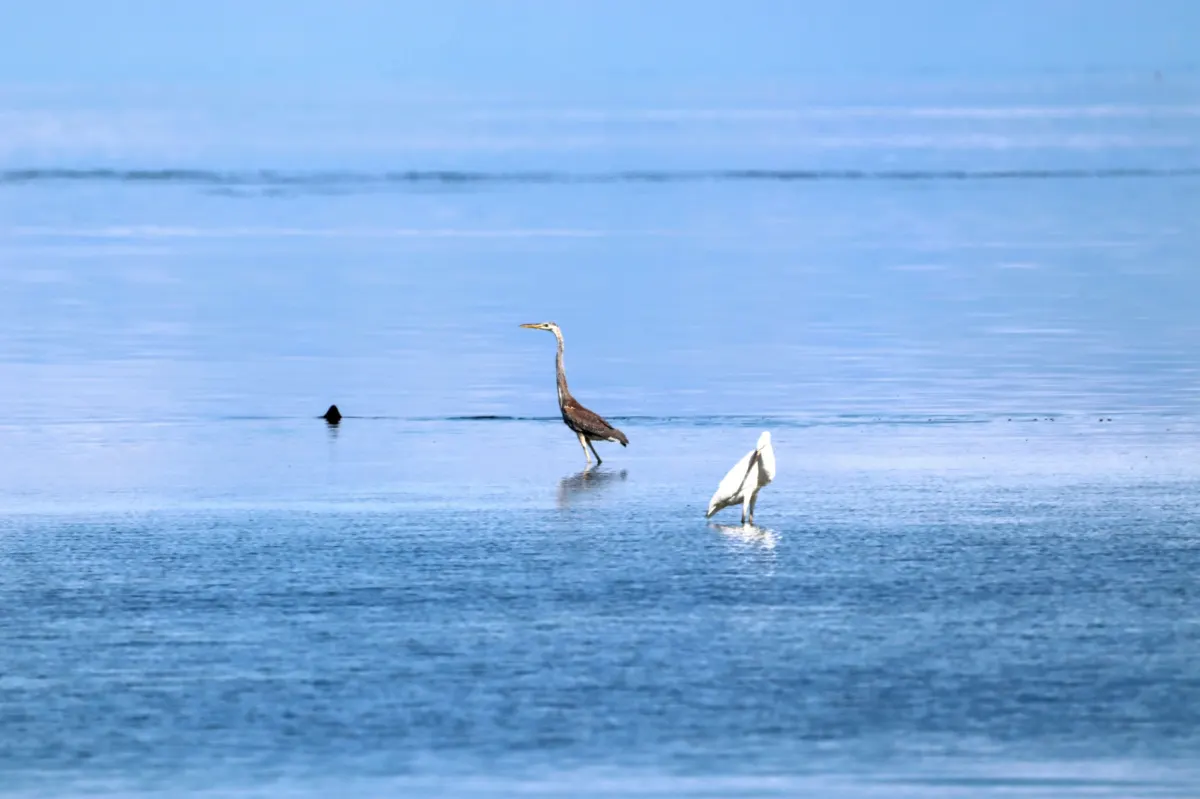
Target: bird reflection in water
748,534
589,480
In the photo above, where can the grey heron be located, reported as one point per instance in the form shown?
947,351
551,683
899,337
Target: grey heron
747,477
587,425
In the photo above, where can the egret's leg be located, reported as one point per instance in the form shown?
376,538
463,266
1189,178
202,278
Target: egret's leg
583,443
748,508
594,452
753,500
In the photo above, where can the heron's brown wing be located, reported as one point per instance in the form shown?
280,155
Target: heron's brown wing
590,423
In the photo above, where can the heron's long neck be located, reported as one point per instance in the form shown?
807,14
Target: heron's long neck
563,391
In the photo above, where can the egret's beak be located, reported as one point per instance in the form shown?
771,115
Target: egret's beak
530,325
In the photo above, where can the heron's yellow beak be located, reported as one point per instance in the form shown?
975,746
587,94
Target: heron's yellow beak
532,325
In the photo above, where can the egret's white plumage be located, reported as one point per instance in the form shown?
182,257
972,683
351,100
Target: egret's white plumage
747,477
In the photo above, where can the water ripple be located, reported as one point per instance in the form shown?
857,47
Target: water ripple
347,180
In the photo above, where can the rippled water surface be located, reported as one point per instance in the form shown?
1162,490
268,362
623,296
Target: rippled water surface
968,320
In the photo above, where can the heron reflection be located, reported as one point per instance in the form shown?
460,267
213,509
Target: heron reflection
587,481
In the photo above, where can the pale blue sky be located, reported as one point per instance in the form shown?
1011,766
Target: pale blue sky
477,42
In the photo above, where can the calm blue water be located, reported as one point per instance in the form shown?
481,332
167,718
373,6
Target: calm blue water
967,314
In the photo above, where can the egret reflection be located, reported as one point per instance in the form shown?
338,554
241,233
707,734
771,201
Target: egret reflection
749,534
587,481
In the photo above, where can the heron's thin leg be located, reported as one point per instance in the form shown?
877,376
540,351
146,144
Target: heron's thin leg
583,443
748,508
753,500
594,452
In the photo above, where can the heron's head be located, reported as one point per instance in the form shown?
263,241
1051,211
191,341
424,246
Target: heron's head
764,441
550,326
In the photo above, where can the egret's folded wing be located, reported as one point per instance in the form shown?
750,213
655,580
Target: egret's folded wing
753,470
729,492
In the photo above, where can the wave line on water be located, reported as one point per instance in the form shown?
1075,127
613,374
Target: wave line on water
361,180
734,420
637,420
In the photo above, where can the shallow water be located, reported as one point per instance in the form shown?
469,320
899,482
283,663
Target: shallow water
974,574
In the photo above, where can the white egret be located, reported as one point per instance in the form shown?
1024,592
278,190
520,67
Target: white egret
741,486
